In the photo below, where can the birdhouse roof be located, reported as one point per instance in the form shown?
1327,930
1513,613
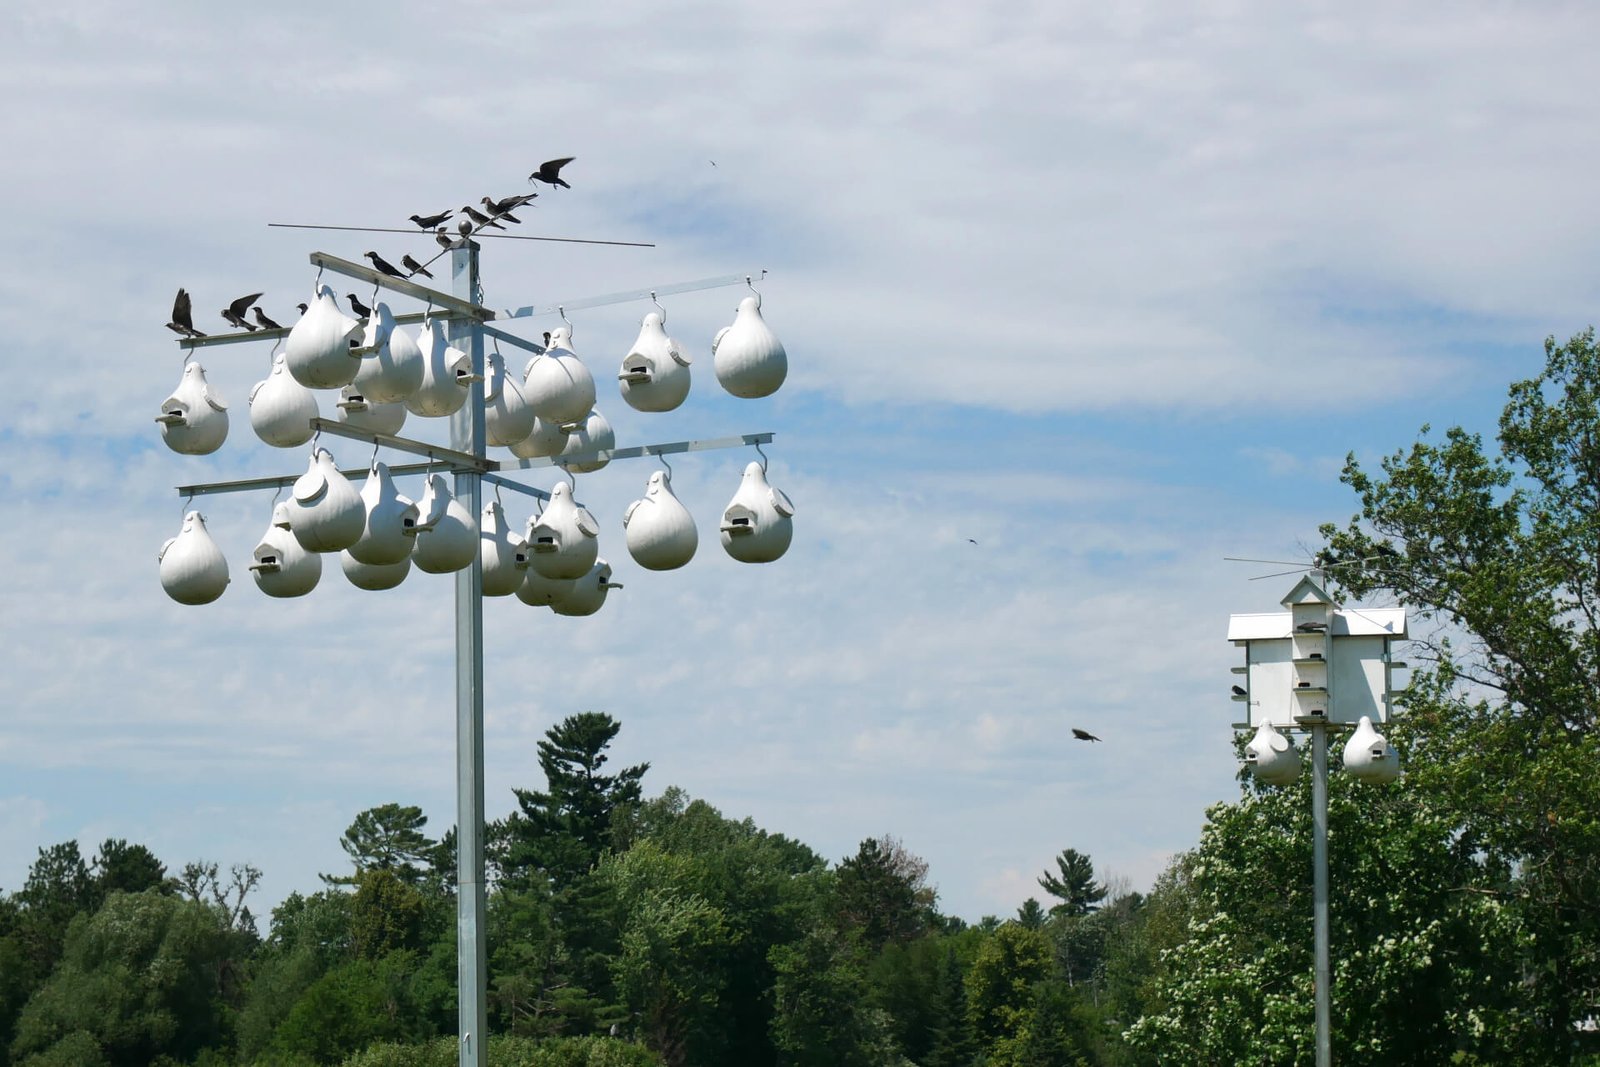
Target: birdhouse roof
1307,590
1346,622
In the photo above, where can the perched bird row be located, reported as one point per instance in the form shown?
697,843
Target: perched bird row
182,321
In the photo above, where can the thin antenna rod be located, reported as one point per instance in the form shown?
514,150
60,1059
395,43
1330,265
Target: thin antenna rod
457,237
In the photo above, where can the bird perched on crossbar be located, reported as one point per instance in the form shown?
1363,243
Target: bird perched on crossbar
235,312
1083,735
182,320
479,217
428,222
383,265
414,267
264,322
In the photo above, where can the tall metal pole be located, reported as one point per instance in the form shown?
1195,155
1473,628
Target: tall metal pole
1319,882
467,435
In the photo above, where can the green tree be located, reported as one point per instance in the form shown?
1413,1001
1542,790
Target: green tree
388,837
878,896
1073,884
952,1042
1504,547
1031,914
386,914
123,868
1000,983
820,1006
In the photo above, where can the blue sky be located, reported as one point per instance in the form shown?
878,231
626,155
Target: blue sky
1110,290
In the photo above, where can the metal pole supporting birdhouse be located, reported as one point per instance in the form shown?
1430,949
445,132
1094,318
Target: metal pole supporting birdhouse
194,570
1314,668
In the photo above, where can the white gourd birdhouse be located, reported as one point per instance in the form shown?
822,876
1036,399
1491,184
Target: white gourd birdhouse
193,570
1272,757
507,418
661,532
747,356
391,522
318,350
545,439
594,435
194,420
446,374
587,593
536,590
655,372
503,552
392,368
563,542
556,382
282,567
325,511
375,577
1368,756
281,409
447,534
757,524
358,410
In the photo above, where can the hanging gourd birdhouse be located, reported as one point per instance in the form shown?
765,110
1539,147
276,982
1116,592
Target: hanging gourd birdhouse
536,590
1368,756
325,511
391,369
507,418
757,524
587,593
587,441
447,534
282,567
358,410
661,532
655,372
374,576
319,351
446,374
545,439
556,382
503,552
391,524
563,543
1271,757
194,420
281,409
193,570
747,356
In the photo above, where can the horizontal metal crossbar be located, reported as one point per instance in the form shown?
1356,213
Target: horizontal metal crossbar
507,483
631,295
639,451
462,460
401,285
250,485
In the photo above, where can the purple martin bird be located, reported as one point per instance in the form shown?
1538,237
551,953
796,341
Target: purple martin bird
1312,627
442,237
414,267
358,307
549,172
303,308
479,217
501,211
1083,735
428,222
1240,691
183,316
234,312
264,322
383,265
510,203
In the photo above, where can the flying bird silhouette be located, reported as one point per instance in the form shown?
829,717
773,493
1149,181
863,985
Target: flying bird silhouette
183,316
479,217
428,222
549,172
358,307
383,265
414,267
234,312
1083,735
266,323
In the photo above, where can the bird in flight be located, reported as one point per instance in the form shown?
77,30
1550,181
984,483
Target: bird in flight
549,172
1083,735
479,217
383,265
428,222
183,316
971,541
264,322
414,267
234,312
358,307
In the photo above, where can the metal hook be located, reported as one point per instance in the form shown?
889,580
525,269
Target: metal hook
563,313
659,308
183,509
374,297
662,456
316,283
763,456
372,464
752,286
273,503
275,346
316,437
497,499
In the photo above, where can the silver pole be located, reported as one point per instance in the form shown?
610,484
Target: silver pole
1319,881
466,435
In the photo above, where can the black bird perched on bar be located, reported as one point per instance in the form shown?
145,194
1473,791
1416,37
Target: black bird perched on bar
234,312
549,172
499,212
383,265
414,267
428,222
358,307
183,316
509,203
479,217
442,237
1083,735
266,323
